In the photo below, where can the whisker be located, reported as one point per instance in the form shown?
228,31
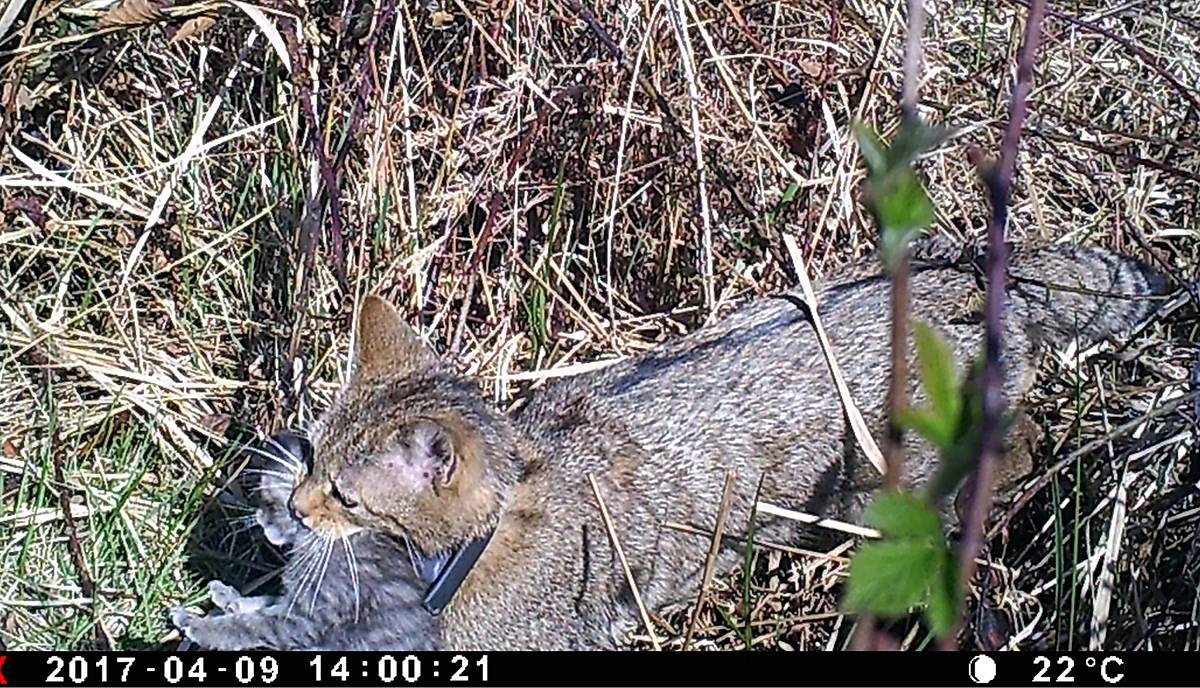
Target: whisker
302,584
310,557
298,460
263,489
275,474
412,556
312,603
307,557
352,561
288,460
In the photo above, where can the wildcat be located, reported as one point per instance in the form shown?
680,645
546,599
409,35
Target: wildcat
409,450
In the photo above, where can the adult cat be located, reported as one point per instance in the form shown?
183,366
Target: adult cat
499,507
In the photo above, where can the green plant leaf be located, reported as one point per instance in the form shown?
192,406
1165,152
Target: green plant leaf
789,195
945,421
945,595
901,204
890,578
913,140
901,208
911,567
903,515
961,453
939,372
873,150
895,194
937,430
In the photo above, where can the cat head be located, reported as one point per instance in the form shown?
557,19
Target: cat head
407,448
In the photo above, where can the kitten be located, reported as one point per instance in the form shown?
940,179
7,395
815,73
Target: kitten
502,504
356,592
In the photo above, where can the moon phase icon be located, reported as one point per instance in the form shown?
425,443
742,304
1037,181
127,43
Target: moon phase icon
982,669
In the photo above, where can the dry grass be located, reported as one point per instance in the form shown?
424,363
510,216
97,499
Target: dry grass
534,204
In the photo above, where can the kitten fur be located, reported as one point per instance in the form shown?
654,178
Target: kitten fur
354,594
411,450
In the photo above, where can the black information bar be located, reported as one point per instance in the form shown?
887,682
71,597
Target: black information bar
595,669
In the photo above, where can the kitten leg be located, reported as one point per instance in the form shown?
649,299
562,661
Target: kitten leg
262,629
230,601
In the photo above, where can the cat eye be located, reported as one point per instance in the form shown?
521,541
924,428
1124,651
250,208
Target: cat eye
341,498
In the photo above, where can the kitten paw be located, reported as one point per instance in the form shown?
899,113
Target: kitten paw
198,628
183,618
225,597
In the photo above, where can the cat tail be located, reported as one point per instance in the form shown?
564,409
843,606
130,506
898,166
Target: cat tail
1065,293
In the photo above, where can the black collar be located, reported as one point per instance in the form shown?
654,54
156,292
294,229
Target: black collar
444,573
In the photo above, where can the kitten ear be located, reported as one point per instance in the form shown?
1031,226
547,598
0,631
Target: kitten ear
433,454
385,345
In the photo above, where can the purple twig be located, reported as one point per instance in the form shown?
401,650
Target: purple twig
912,57
999,183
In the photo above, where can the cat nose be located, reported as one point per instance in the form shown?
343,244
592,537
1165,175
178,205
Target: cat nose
297,512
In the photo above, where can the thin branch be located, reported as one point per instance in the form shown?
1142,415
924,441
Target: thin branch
597,28
999,182
900,268
86,584
1129,160
328,179
869,637
912,58
310,217
366,85
898,387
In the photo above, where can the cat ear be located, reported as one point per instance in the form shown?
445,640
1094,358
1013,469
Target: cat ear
433,454
385,345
